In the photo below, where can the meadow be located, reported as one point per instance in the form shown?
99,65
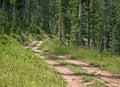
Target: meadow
20,67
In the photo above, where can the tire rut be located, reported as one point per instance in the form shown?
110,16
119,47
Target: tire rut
70,78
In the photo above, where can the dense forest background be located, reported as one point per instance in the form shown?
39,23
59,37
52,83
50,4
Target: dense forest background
94,24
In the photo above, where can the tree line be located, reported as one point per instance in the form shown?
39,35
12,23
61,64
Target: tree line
90,23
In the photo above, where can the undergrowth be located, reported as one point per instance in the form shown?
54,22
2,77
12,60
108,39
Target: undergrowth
29,34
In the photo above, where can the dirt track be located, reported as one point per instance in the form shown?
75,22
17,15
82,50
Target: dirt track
71,79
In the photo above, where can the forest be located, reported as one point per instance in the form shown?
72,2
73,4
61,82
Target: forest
89,23
84,30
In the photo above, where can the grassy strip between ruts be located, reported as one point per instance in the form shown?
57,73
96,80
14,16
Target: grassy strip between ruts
105,61
89,79
19,67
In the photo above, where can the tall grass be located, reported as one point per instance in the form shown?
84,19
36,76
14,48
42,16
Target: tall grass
105,61
19,67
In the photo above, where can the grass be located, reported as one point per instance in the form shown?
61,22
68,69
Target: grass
104,61
85,78
97,84
19,67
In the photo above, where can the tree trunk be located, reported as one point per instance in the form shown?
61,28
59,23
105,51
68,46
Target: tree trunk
89,23
14,16
3,7
59,27
93,39
35,12
26,13
101,42
80,24
54,16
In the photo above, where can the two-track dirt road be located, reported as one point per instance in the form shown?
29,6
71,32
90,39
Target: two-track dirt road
71,79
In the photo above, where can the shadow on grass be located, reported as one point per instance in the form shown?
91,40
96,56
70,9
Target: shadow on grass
83,73
81,65
79,74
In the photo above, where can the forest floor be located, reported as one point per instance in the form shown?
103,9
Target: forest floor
85,76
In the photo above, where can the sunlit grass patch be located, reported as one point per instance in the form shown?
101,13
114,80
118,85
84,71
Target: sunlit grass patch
98,84
19,67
